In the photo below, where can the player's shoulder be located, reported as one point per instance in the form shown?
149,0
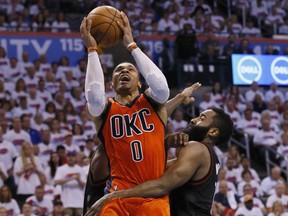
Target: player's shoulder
197,148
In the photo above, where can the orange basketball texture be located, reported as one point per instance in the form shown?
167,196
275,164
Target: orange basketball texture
104,26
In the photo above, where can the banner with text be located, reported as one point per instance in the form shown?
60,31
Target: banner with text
264,69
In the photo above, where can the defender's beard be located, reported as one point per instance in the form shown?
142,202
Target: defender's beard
196,133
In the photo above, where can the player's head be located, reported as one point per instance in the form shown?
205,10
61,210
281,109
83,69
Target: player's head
125,78
212,124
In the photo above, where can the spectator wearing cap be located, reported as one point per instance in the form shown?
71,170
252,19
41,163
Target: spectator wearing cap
17,136
257,202
72,180
248,209
278,195
69,145
40,203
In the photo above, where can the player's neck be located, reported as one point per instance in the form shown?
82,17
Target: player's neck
126,98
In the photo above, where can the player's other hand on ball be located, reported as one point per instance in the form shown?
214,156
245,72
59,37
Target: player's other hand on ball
126,28
85,28
176,139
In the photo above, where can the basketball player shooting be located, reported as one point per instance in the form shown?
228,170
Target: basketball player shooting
131,125
192,178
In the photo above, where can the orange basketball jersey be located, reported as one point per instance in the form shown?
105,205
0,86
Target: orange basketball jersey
133,136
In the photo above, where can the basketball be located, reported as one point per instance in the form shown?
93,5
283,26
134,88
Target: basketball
104,27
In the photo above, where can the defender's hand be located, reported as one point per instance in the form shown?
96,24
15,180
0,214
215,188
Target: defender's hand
187,92
85,28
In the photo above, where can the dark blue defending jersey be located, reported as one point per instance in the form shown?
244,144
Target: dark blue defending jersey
195,197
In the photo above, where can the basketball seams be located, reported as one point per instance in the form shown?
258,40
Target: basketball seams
108,18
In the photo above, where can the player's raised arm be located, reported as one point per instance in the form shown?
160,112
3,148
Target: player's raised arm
183,97
94,80
158,86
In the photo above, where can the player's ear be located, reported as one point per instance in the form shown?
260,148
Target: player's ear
213,132
139,85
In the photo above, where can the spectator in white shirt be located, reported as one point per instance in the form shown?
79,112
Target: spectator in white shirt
254,89
230,109
178,121
272,109
283,29
45,148
165,23
247,189
79,139
282,151
273,18
248,209
231,173
88,126
248,124
3,174
27,167
222,176
279,195
30,78
16,135
49,113
14,70
278,209
265,136
8,153
60,25
42,91
27,210
37,122
269,182
247,179
68,143
53,164
246,165
23,108
259,9
57,135
250,31
7,202
272,92
89,147
41,204
206,103
72,179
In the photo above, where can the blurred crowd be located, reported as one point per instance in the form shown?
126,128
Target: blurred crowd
240,17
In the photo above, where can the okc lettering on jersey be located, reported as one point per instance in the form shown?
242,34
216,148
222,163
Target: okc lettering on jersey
126,124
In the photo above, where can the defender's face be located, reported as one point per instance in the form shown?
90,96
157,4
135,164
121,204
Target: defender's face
204,119
125,77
